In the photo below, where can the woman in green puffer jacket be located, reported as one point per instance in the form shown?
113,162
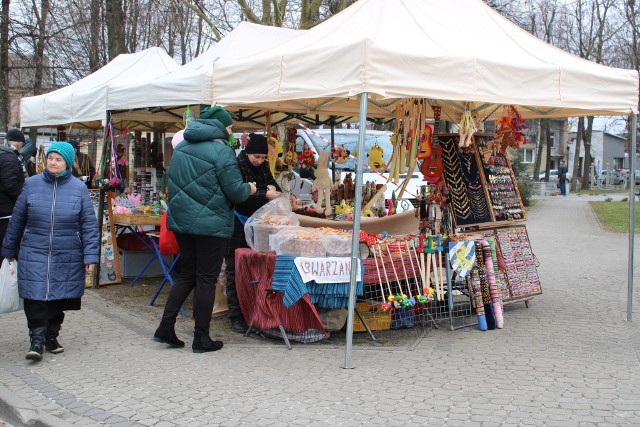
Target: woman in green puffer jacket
204,182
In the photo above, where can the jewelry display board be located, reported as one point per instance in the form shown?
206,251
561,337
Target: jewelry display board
482,188
502,187
109,267
518,263
465,183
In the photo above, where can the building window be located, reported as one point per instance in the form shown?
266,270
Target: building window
527,155
552,139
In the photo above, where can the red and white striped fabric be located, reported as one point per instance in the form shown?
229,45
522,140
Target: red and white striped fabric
262,307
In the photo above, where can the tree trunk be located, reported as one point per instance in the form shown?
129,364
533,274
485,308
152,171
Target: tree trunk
4,64
115,28
94,41
38,58
546,131
576,165
586,138
539,145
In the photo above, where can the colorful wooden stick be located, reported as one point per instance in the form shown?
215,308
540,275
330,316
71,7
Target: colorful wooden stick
496,305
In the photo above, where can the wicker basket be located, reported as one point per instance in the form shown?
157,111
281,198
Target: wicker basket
137,219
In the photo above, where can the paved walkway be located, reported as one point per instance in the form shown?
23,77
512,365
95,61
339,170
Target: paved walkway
569,359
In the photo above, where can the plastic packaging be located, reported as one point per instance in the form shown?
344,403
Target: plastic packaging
269,219
299,241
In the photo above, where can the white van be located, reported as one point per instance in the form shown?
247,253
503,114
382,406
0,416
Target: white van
319,140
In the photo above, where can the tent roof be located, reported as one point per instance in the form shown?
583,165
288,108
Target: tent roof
85,101
460,52
161,102
190,84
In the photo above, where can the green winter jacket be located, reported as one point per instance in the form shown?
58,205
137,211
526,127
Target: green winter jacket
204,182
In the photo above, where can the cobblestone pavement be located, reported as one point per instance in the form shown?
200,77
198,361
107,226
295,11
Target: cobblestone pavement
570,359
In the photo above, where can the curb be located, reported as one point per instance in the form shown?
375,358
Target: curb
20,413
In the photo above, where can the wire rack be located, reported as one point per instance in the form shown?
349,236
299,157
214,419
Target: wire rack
407,289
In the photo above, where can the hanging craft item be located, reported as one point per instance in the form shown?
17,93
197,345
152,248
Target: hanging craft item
274,155
432,166
376,158
467,128
41,160
291,157
510,128
462,256
340,155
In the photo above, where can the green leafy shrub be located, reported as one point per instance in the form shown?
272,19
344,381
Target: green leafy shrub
525,188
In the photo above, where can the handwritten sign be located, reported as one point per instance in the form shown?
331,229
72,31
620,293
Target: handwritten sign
326,270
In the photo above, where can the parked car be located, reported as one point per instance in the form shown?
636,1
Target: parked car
625,172
616,177
553,176
318,140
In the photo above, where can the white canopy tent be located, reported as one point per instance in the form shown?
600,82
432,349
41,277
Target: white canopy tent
191,84
85,102
460,53
160,103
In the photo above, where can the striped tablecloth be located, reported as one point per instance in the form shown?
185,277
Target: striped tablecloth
262,306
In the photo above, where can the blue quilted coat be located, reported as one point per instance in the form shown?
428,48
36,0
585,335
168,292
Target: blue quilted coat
53,233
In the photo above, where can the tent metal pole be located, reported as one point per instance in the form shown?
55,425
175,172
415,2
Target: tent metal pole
632,206
355,238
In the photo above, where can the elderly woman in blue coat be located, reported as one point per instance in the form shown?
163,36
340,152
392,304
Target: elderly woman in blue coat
54,234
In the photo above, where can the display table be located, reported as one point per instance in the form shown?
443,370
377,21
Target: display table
151,241
263,307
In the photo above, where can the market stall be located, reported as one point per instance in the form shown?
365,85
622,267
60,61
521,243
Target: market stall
346,65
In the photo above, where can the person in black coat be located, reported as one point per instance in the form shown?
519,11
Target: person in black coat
254,168
12,176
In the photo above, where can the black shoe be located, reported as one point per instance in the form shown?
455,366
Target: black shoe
37,343
53,346
204,344
238,325
51,339
167,335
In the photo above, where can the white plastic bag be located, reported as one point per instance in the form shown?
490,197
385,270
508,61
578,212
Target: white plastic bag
9,298
267,220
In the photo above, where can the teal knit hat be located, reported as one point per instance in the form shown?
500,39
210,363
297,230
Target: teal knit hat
218,113
65,150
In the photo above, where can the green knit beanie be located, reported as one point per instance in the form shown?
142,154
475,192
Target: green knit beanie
218,113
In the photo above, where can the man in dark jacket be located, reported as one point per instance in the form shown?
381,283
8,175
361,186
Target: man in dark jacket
254,168
562,177
204,182
12,176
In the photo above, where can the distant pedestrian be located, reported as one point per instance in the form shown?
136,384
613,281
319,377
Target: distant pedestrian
562,177
54,234
12,176
204,182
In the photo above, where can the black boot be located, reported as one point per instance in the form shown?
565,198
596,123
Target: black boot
239,325
37,343
204,344
51,339
167,334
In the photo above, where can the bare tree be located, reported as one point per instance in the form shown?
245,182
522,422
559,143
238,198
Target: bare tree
114,20
4,64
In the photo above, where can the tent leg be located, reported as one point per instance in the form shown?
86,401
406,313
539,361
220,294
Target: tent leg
632,206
